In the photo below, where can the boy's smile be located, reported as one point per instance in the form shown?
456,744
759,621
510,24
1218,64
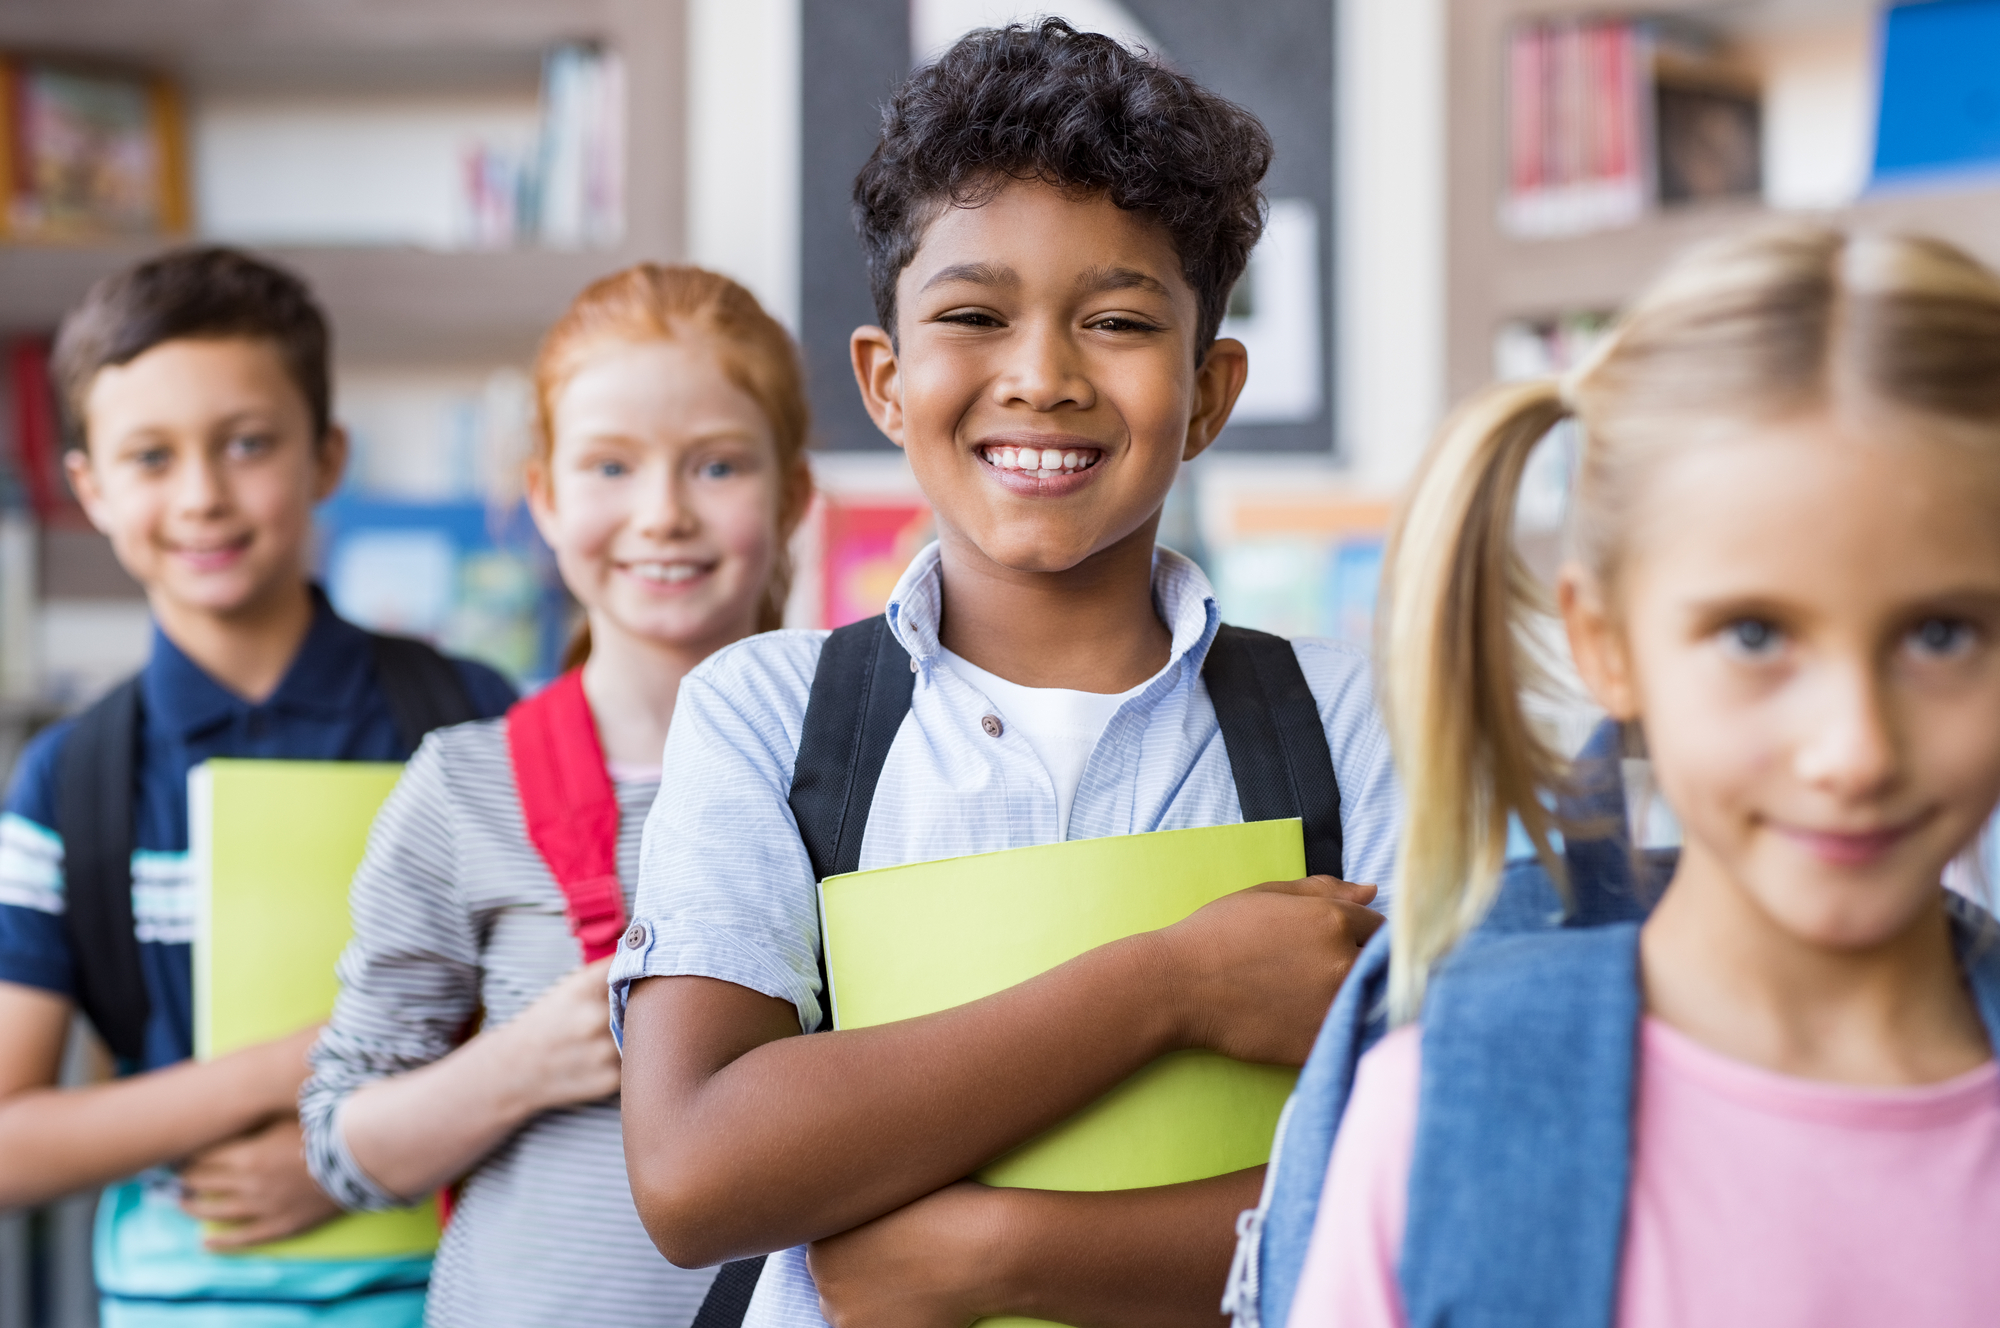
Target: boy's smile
1045,378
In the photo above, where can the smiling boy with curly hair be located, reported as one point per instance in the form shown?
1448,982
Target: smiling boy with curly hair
1053,224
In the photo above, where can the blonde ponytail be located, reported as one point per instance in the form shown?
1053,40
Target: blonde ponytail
1468,757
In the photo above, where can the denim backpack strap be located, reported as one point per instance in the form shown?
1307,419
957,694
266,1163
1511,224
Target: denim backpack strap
1271,1238
1524,1132
1977,937
1607,882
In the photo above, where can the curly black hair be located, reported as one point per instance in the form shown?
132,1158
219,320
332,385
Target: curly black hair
1078,111
198,293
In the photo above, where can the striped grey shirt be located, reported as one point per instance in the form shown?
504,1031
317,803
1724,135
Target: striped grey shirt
454,913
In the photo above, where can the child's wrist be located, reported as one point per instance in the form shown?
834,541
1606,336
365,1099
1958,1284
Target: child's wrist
1003,1283
507,1068
1163,982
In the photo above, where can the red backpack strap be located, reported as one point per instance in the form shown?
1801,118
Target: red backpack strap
570,807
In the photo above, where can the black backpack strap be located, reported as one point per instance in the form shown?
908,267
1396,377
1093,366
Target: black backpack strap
422,687
1276,743
728,1298
94,782
860,693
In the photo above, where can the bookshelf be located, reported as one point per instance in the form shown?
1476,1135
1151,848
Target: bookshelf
1493,276
389,303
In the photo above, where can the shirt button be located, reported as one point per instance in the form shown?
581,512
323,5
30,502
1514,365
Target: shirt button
635,936
994,728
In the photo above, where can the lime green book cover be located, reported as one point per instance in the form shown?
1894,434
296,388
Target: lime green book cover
911,940
275,845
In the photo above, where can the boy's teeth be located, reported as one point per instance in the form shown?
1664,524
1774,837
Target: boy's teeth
1044,463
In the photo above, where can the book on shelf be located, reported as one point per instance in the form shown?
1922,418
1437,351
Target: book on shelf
1708,118
1609,118
1940,88
88,152
566,189
1578,126
36,462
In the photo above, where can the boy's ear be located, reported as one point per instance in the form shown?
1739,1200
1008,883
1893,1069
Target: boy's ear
84,484
880,379
329,462
1596,643
1217,383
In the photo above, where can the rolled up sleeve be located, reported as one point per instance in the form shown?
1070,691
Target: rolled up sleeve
726,890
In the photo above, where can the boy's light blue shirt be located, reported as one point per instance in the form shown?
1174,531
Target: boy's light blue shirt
726,890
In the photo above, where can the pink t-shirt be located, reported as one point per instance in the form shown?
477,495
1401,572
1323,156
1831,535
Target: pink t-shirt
1757,1201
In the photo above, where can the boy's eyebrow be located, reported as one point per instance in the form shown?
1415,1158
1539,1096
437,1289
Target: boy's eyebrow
979,274
1100,279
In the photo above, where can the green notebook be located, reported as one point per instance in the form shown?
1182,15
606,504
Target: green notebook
912,940
275,844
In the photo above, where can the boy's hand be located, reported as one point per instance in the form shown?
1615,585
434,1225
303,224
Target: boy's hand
560,1050
1254,972
925,1265
258,1184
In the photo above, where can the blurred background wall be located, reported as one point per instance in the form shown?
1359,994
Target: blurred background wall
1463,189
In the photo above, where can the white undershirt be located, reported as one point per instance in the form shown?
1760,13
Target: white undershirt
1061,726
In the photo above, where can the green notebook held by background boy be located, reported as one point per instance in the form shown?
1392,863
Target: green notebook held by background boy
275,844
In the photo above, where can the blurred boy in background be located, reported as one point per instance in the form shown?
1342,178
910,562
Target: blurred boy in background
195,387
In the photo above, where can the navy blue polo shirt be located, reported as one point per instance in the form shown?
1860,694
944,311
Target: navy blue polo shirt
329,707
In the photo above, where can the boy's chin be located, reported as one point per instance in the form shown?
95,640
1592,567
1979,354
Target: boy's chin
221,595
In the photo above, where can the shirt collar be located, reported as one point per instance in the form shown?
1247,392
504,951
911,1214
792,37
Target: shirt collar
327,678
1182,598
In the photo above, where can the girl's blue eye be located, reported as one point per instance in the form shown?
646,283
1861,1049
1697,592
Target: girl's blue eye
1752,638
610,470
249,444
1942,636
718,470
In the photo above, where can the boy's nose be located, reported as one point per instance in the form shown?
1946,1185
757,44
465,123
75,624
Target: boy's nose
1046,373
201,487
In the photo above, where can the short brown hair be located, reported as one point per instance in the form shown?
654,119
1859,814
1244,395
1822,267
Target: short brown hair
191,294
651,303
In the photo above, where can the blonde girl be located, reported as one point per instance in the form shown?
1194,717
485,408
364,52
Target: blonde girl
1774,1102
668,475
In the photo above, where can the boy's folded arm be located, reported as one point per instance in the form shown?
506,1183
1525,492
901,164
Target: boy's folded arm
1151,1257
55,1141
742,1137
